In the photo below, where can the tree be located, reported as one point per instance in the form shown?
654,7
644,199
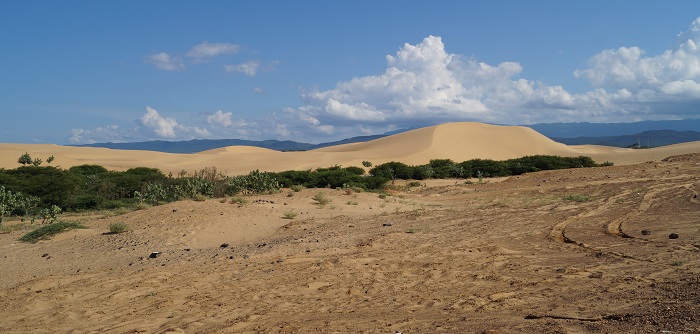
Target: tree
50,159
367,164
25,159
7,202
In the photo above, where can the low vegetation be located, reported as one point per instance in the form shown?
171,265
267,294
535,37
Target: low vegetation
116,228
47,231
33,191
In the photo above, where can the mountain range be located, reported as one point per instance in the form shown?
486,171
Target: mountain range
645,133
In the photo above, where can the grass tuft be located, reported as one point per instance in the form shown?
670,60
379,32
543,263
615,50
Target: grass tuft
290,215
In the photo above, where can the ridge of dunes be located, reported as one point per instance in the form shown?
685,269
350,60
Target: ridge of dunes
457,141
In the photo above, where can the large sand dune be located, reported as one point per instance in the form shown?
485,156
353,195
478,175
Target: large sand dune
456,141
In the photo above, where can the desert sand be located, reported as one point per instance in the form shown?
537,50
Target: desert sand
570,251
456,141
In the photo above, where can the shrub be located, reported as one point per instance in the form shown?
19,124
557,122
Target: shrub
238,200
578,198
321,199
297,188
255,182
116,228
47,231
290,215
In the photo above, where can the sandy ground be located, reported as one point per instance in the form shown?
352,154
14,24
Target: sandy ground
571,251
456,141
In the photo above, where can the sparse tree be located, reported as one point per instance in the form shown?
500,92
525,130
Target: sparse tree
50,159
367,164
25,159
36,162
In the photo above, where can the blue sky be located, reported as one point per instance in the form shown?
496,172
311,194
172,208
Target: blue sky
74,72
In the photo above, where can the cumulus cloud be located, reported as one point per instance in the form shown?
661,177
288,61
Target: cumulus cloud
168,128
424,84
650,78
249,68
221,119
164,61
205,51
108,133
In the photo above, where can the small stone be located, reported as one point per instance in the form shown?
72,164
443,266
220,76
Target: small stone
646,232
45,255
386,224
154,255
596,275
673,236
224,245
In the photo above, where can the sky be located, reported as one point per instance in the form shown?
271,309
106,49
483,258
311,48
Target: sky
78,72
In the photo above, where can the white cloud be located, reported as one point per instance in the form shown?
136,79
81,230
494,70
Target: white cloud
168,128
205,51
650,78
258,90
221,119
164,61
162,126
422,85
108,133
249,68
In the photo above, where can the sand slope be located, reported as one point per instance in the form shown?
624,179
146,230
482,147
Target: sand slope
514,256
456,141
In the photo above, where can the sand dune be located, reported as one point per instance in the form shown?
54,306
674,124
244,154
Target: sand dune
456,141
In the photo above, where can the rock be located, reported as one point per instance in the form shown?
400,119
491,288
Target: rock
596,275
673,236
154,255
386,224
224,245
646,232
45,255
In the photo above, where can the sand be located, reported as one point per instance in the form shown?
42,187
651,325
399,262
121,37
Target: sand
456,141
570,251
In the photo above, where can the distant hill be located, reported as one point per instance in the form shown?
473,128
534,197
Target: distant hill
653,133
647,138
198,145
573,130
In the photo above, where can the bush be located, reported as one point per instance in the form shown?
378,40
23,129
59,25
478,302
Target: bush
321,199
116,228
255,182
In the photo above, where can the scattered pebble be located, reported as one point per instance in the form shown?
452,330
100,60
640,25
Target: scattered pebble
154,255
386,224
673,236
646,232
224,245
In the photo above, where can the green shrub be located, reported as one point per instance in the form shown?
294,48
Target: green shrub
321,199
47,231
255,182
116,228
290,215
297,188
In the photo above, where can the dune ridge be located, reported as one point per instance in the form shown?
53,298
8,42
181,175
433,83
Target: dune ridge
457,141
